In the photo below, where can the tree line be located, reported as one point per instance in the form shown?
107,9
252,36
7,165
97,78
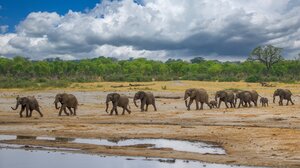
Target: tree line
22,72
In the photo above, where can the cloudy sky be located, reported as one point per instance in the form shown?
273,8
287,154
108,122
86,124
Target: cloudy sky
154,29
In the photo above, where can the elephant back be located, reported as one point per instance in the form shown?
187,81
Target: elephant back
202,95
70,100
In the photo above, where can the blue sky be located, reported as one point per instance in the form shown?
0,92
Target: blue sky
14,11
154,29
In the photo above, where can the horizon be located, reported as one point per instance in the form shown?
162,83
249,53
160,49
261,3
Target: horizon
152,29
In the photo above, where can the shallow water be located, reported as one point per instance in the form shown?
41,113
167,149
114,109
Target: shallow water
19,158
177,145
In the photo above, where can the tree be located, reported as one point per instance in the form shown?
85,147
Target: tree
197,60
268,55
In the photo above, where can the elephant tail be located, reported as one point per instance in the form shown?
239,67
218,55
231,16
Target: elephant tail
129,106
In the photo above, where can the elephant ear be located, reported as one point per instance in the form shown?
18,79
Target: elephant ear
142,94
23,100
116,97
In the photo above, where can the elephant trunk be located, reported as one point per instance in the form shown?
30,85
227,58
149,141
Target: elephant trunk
134,101
106,106
56,105
185,99
17,105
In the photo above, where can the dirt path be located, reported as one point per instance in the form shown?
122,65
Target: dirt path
251,136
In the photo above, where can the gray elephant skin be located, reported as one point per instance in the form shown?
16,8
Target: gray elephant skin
264,101
284,94
146,98
213,104
225,96
29,103
245,98
199,95
117,101
67,101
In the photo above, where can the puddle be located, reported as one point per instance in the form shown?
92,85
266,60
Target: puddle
18,158
177,145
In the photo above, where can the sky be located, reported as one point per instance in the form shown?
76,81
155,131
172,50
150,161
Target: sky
153,29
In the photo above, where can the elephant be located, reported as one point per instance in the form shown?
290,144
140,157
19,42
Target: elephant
146,99
67,101
29,103
225,96
245,98
283,94
213,104
264,101
187,94
117,101
254,97
199,95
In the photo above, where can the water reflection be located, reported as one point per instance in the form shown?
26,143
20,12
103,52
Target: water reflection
18,158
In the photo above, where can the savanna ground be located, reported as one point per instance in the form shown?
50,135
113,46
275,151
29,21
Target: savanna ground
258,136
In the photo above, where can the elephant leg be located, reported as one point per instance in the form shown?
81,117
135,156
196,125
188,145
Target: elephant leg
142,106
127,110
65,111
27,111
154,106
69,108
30,113
291,101
74,111
226,104
23,108
201,108
219,104
147,107
116,110
111,111
39,111
209,105
123,111
287,102
189,105
249,104
197,105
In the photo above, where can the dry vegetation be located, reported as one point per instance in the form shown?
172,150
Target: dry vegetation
251,136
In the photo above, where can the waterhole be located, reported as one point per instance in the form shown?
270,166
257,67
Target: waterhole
20,158
177,145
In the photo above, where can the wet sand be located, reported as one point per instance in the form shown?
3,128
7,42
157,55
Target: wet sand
258,136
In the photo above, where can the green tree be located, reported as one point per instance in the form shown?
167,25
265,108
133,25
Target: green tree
268,55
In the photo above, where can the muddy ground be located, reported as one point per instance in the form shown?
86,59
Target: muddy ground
258,136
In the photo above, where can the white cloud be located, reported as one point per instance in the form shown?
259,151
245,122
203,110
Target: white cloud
158,29
3,28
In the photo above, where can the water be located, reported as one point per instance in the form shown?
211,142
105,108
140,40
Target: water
18,158
177,145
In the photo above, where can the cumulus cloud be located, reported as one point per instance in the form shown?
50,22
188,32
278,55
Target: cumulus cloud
160,29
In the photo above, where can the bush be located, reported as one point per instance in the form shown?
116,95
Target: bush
253,79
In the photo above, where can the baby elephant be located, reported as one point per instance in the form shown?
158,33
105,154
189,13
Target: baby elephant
29,103
117,101
213,104
264,101
67,101
146,98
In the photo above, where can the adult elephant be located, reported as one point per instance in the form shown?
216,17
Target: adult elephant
254,97
284,94
226,97
199,95
187,95
29,103
146,98
67,101
245,98
117,101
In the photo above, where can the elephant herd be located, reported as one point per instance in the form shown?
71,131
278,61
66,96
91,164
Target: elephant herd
230,99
